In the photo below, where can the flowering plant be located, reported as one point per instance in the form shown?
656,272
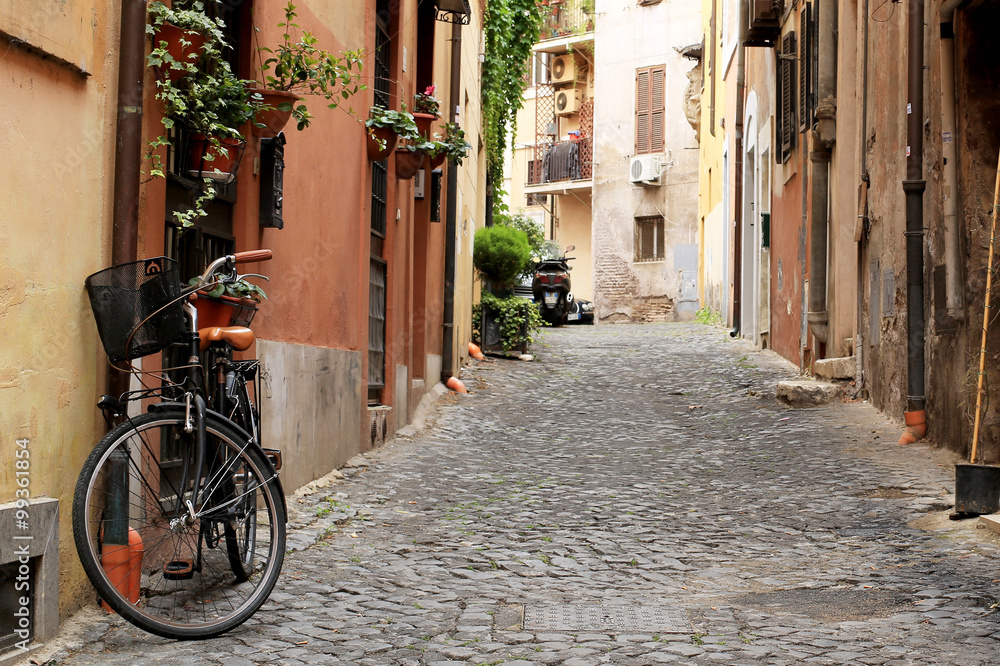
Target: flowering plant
426,103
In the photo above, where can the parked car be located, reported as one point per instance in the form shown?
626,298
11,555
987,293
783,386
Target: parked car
581,311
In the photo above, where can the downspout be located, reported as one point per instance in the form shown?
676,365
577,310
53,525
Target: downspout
823,137
451,219
953,281
128,149
738,171
913,186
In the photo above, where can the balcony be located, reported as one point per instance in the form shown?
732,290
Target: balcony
561,166
565,22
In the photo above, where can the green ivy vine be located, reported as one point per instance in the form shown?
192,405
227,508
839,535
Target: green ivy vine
512,27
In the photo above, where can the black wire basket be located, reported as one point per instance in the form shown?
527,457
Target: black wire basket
137,307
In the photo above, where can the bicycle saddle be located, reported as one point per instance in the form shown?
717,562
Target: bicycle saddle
238,337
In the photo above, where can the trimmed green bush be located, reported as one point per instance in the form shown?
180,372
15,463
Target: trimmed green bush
501,255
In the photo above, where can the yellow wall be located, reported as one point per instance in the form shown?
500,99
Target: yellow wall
57,139
713,227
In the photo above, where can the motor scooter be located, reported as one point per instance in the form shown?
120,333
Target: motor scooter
550,288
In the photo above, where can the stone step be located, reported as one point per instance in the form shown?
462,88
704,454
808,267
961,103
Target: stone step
806,392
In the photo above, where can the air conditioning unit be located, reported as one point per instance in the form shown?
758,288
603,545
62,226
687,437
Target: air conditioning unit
765,10
645,169
567,102
563,69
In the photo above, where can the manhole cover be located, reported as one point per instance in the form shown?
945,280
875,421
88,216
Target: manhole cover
885,492
839,604
593,617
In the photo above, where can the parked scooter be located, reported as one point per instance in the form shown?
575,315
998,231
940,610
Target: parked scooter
551,288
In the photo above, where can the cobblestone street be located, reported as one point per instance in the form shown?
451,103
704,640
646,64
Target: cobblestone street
636,496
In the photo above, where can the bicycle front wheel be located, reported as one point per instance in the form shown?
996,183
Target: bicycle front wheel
160,560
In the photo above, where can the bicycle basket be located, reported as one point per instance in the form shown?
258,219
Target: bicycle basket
136,307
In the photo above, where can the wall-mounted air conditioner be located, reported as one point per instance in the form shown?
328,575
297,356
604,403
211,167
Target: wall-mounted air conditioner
563,69
645,169
567,102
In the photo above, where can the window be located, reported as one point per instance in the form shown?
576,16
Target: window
538,199
786,126
649,238
649,109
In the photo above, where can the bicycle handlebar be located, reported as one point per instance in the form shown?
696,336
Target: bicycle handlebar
252,255
239,257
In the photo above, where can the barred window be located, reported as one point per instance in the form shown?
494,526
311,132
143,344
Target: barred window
649,244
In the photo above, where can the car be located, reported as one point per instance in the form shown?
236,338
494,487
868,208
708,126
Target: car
580,312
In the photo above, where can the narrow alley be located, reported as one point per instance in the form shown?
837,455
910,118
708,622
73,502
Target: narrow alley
636,495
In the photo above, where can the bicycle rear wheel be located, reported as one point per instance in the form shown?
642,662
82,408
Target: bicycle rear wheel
160,562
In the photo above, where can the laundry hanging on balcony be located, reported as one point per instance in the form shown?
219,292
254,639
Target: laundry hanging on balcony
561,162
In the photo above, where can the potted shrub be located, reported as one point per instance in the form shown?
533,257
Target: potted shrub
297,67
501,255
425,110
386,127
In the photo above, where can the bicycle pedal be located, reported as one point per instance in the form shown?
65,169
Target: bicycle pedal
274,455
178,570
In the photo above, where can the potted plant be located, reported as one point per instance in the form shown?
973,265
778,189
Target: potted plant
386,127
179,38
209,102
410,157
297,67
425,110
228,304
501,255
452,146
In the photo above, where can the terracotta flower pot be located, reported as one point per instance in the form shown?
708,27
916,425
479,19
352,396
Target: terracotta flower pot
223,167
224,311
186,53
408,163
385,134
272,117
424,121
438,160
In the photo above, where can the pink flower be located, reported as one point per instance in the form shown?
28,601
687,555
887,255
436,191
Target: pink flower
429,91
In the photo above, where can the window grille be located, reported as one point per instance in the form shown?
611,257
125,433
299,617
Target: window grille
649,245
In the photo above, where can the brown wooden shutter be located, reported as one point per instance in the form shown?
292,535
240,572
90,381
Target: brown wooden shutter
657,108
786,66
805,42
642,111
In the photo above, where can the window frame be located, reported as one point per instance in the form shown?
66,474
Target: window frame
647,108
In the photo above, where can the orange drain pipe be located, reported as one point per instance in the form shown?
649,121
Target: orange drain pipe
123,566
916,427
455,384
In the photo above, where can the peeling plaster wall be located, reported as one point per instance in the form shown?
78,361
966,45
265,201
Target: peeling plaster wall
57,142
625,290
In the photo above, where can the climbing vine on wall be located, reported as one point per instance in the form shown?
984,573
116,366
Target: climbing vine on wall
512,27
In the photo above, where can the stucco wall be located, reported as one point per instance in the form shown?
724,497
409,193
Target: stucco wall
57,138
625,290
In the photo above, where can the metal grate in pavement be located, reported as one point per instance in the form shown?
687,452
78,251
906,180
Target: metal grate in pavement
605,617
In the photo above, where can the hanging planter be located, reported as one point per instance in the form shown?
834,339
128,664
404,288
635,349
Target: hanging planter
275,112
438,160
408,163
182,45
388,138
424,121
220,168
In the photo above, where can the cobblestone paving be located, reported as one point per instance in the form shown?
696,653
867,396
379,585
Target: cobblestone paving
634,496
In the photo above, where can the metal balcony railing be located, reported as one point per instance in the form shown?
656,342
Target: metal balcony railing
566,17
562,160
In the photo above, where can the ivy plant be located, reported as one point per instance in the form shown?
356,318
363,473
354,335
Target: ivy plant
519,320
512,27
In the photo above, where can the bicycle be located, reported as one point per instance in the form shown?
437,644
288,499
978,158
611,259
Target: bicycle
178,514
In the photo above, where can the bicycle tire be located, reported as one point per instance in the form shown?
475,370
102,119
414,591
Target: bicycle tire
241,532
131,478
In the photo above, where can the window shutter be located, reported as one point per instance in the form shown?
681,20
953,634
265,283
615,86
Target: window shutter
642,111
805,42
657,107
788,97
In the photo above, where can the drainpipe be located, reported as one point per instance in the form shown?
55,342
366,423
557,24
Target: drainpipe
823,137
913,186
451,219
738,172
128,149
953,282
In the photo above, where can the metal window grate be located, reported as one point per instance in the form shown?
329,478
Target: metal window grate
376,323
649,245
